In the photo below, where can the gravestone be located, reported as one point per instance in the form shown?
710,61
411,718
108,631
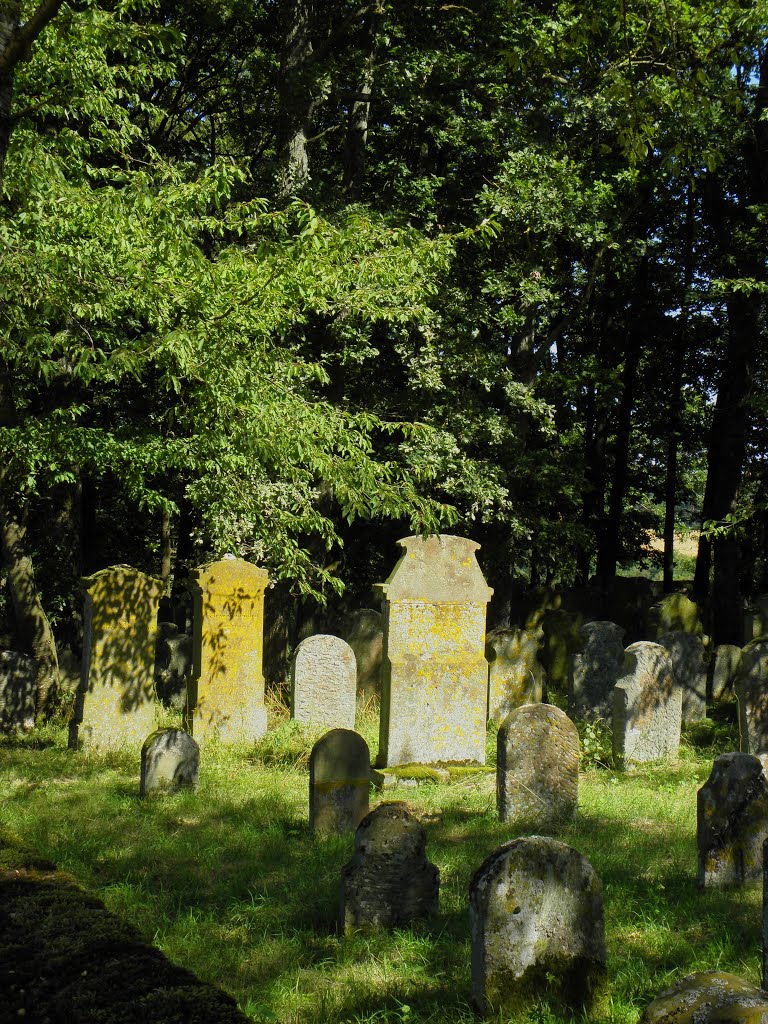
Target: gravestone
170,760
594,670
674,613
725,668
647,706
389,882
18,691
435,676
537,772
536,603
751,688
339,782
689,666
173,664
756,620
561,639
709,997
537,928
732,814
515,675
323,683
115,700
364,632
225,692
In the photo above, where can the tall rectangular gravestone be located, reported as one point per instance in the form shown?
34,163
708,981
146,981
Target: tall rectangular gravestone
115,705
435,675
225,693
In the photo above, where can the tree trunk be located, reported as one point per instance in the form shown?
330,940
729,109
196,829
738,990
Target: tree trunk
296,98
360,108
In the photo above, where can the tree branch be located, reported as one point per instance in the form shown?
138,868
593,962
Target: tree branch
18,45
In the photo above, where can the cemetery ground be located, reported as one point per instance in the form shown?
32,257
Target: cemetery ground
228,882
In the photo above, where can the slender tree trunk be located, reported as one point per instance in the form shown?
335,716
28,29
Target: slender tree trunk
360,108
296,98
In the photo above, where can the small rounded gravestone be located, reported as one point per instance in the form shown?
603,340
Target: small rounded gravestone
389,881
323,682
170,759
537,928
339,782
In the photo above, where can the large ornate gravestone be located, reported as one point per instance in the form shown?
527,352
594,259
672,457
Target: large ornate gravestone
435,675
115,705
225,693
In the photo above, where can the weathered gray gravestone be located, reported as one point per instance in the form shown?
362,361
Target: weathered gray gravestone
323,683
364,632
339,782
170,759
725,668
647,706
594,670
689,666
732,815
752,695
18,690
435,676
537,928
389,882
515,675
537,773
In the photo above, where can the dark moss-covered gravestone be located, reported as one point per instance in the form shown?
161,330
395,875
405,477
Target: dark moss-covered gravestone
724,669
689,666
709,997
752,694
515,674
732,812
537,928
65,959
674,612
339,782
537,773
170,760
594,669
389,882
364,632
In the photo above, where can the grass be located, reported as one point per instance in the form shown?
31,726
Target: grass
228,883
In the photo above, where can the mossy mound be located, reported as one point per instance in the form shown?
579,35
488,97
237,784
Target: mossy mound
65,958
710,997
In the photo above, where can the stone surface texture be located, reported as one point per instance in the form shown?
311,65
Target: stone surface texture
324,683
594,670
225,692
725,668
173,664
170,759
435,676
689,666
647,706
115,701
18,690
537,928
751,688
339,782
389,882
537,773
732,822
515,674
674,612
364,632
561,639
710,997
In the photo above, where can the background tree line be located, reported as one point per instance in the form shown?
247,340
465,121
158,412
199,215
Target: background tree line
292,278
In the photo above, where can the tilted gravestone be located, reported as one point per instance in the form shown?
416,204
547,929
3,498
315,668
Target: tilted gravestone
537,928
225,691
18,690
725,668
751,688
339,782
647,706
364,632
389,882
115,700
435,676
732,813
515,675
674,613
170,760
594,670
323,683
537,767
689,666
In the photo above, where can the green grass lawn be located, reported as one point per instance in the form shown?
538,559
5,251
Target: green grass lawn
229,884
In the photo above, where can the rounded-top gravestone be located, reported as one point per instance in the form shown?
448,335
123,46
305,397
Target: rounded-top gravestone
732,822
323,683
339,782
170,759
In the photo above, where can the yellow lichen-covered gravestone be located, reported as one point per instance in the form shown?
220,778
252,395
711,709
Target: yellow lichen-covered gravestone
115,699
434,673
225,693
